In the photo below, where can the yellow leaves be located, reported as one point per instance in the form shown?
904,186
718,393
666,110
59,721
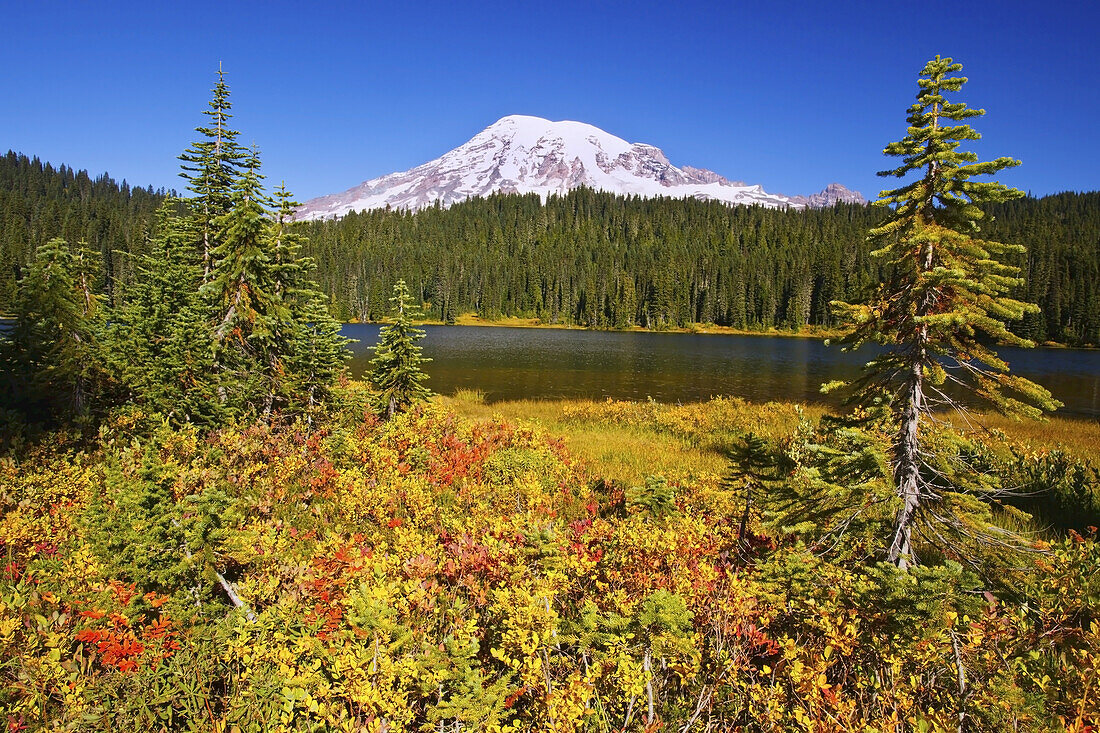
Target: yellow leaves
8,627
44,496
515,619
796,669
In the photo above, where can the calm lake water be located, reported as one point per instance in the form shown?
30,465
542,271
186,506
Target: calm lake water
518,363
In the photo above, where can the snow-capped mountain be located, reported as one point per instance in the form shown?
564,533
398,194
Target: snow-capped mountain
832,194
521,154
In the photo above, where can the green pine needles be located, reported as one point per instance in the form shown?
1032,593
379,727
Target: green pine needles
161,348
275,347
45,359
221,320
396,367
942,307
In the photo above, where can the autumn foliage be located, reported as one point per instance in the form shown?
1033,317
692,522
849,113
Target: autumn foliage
432,573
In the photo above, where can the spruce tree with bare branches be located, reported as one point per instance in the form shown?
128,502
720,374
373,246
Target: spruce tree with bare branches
942,308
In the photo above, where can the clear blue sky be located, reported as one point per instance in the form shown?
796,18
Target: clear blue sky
790,95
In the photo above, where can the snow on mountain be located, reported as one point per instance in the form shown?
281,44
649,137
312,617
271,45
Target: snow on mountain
522,154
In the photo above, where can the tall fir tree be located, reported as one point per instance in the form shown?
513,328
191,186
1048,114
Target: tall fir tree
250,317
212,167
275,346
158,342
945,300
396,367
316,352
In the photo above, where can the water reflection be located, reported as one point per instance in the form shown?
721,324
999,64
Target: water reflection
515,363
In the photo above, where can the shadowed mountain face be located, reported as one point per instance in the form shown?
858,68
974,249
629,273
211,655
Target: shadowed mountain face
520,154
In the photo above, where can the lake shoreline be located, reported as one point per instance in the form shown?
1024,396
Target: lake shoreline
815,333
469,319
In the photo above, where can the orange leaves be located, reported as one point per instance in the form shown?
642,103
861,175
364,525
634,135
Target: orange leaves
328,615
159,629
420,566
119,649
123,593
124,642
510,701
324,477
91,636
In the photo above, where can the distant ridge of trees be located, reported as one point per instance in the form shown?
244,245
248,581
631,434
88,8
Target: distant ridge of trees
39,202
605,261
588,258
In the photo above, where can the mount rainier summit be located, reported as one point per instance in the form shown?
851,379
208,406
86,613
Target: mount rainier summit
521,154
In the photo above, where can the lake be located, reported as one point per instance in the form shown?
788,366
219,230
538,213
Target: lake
529,363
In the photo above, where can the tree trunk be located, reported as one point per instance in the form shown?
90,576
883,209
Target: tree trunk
906,447
907,471
647,666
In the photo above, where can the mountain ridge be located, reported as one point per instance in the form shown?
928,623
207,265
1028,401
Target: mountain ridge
525,154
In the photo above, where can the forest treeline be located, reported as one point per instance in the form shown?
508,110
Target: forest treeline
588,258
39,202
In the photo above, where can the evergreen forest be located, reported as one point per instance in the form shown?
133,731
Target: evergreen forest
589,258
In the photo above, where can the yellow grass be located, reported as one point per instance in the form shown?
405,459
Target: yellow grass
473,319
626,441
621,453
1080,437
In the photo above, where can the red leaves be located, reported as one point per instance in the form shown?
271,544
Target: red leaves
452,459
579,527
90,636
471,560
125,643
756,640
49,549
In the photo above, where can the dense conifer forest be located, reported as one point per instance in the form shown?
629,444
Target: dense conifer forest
590,258
39,202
